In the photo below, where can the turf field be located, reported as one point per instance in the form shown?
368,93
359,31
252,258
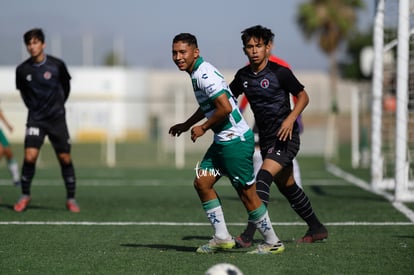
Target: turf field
148,220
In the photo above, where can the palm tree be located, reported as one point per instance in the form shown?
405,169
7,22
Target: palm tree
330,21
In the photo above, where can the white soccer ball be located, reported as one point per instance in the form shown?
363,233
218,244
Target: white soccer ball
223,269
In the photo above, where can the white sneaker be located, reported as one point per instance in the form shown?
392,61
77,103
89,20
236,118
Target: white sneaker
266,248
216,244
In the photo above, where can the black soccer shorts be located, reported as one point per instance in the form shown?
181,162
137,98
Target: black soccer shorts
57,132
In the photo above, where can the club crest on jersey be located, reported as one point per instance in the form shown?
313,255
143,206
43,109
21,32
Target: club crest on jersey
47,75
264,83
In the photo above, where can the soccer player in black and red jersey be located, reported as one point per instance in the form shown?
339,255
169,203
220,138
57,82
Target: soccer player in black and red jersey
268,86
44,85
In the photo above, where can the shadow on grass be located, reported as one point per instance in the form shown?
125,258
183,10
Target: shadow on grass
180,248
162,247
31,207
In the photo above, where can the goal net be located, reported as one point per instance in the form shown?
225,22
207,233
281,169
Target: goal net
392,125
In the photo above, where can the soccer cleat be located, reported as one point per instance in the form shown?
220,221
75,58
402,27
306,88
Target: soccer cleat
266,248
242,242
312,236
216,245
72,206
22,203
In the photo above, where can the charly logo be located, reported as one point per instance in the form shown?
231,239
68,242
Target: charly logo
200,172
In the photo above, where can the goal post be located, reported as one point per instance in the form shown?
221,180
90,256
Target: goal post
392,115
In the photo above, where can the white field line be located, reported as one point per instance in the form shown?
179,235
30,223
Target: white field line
90,223
364,185
152,182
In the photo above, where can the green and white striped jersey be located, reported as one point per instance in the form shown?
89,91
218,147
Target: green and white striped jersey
208,84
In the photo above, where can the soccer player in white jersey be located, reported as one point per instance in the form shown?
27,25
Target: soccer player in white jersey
230,154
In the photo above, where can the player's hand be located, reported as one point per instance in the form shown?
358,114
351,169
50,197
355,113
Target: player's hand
177,129
285,130
196,132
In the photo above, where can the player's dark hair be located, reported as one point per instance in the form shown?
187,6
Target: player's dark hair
34,33
186,38
258,32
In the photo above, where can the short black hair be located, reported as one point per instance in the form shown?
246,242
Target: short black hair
186,37
259,32
34,33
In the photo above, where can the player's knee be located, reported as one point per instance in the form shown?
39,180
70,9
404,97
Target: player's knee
64,158
264,177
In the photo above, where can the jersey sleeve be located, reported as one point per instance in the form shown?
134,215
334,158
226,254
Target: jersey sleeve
289,82
236,86
65,79
212,83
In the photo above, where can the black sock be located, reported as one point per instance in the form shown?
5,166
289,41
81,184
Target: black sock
28,171
68,174
301,204
263,182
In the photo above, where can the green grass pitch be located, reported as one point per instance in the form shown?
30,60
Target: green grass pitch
149,221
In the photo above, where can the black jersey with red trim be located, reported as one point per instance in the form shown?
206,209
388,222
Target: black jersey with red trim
268,94
44,88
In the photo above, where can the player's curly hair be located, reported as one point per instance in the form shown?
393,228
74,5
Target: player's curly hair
34,33
258,32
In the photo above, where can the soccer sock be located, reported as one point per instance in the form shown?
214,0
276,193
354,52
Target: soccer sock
296,172
215,215
14,169
260,217
301,204
68,174
28,171
263,182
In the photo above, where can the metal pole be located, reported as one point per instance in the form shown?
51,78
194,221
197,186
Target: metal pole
401,166
376,136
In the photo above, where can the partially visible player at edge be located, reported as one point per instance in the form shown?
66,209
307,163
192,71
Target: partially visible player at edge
44,85
230,153
5,150
267,86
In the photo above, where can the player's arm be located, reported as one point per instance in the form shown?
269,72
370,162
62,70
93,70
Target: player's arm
222,110
21,87
290,83
179,128
65,80
285,130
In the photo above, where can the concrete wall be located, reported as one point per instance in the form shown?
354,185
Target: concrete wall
139,104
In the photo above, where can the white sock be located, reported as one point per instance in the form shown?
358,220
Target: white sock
14,169
216,218
264,226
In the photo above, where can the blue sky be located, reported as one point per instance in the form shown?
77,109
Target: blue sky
146,28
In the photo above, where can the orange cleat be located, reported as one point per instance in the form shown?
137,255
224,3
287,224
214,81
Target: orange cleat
22,203
313,236
72,206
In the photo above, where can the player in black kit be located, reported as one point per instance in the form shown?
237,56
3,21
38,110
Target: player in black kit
44,85
267,86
